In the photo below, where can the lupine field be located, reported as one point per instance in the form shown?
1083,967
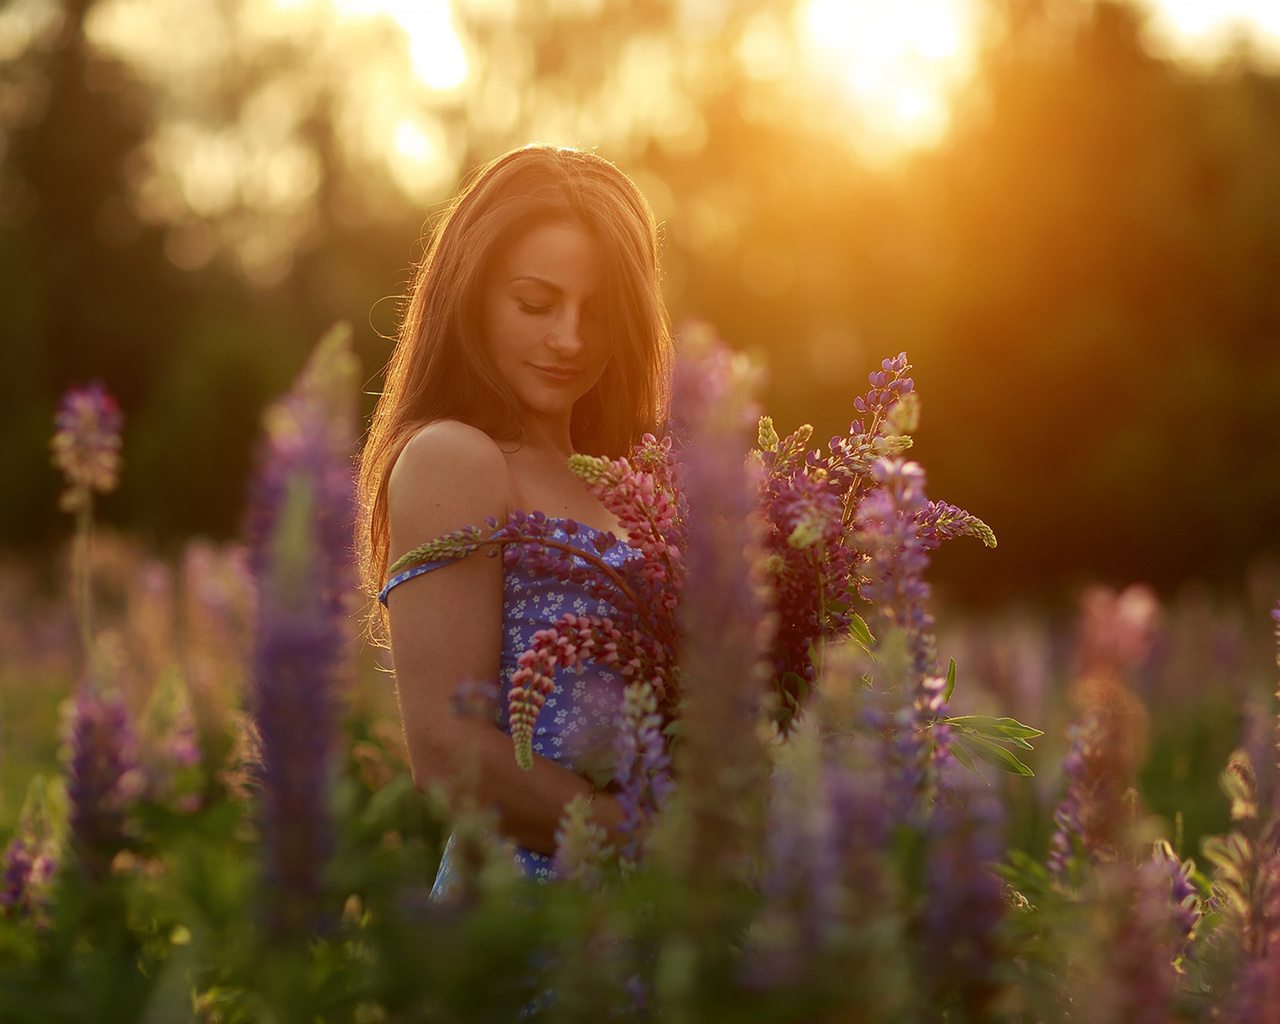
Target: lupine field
843,803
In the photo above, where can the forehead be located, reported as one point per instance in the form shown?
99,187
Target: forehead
560,252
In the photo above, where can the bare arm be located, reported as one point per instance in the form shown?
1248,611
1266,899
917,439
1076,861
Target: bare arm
446,629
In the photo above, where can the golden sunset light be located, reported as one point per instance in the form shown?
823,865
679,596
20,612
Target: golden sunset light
898,64
1207,30
434,48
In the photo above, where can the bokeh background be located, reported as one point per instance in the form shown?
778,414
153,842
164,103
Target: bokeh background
1066,212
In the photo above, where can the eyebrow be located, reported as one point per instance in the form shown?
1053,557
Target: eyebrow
538,281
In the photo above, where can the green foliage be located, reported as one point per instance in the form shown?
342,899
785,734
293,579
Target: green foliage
988,739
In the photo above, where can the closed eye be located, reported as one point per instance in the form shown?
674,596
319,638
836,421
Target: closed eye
529,307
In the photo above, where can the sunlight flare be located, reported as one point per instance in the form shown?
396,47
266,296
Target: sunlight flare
898,64
1205,32
434,48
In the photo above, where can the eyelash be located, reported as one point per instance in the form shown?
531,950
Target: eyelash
534,310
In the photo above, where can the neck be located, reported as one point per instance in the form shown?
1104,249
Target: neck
550,435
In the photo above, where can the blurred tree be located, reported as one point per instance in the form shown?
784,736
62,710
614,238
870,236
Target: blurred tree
1082,270
85,287
1107,327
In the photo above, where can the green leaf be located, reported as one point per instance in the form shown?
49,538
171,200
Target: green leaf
963,757
861,633
1003,730
951,680
994,754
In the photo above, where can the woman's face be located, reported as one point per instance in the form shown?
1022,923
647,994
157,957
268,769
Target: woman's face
543,318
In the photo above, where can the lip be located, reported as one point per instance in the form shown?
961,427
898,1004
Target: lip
557,374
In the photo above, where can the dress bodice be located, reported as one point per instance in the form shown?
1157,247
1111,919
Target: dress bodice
575,726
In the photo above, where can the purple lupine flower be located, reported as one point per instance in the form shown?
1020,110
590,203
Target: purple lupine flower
896,558
808,500
723,613
941,521
643,769
300,529
30,862
1184,897
86,444
26,873
963,902
1072,814
810,566
103,777
827,825
803,877
1138,979
1275,617
893,583
876,432
1256,999
802,883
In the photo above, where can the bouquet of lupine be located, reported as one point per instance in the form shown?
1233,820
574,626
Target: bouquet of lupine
842,529
641,644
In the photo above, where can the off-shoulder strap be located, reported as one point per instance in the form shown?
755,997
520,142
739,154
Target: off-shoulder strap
417,570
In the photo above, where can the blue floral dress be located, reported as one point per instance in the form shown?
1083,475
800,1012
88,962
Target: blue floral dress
580,714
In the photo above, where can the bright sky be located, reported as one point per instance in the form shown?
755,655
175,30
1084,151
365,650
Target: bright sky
898,63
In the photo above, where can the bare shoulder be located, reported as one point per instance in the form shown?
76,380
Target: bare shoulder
449,475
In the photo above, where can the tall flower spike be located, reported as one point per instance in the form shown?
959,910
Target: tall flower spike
86,444
1137,980
86,447
580,844
1184,897
1074,811
802,882
569,644
964,905
102,776
30,860
300,530
893,583
643,769
725,631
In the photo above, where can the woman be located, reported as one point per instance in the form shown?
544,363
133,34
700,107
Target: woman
535,329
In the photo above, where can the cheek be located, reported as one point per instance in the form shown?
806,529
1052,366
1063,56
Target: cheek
499,329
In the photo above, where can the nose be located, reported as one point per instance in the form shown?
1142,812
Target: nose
568,337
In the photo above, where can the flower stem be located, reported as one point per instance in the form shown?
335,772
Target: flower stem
83,575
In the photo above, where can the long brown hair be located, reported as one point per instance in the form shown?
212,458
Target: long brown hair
440,369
